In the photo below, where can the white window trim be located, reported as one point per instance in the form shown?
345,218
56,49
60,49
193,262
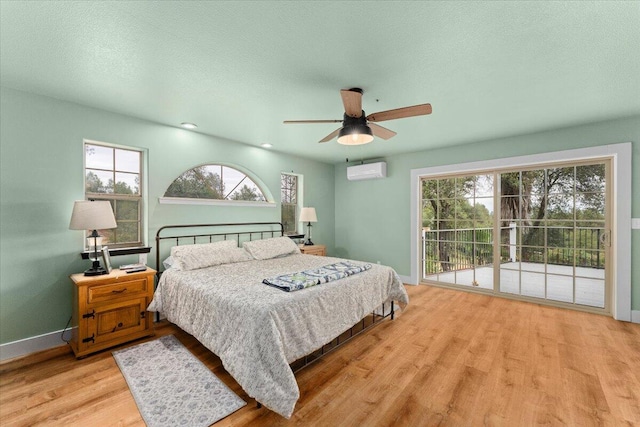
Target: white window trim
214,202
621,209
144,184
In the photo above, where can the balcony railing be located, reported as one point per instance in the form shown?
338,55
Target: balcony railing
458,249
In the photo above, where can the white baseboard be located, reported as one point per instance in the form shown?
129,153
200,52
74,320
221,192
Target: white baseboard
31,345
406,280
52,339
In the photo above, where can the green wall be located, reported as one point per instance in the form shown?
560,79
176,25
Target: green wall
41,175
373,217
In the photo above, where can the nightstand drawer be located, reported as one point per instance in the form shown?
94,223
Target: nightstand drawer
318,250
100,293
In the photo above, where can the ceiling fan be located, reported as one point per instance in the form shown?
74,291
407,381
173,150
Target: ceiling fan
359,129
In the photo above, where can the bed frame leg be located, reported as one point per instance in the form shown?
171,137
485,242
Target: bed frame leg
392,310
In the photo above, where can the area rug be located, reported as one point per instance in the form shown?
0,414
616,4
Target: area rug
172,387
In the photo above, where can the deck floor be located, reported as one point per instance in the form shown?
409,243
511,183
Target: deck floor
530,279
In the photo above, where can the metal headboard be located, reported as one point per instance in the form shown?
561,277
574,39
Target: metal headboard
238,230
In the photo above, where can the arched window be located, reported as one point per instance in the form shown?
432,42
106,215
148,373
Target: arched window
215,182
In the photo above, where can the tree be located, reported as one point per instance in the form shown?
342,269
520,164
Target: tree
197,183
446,204
545,203
533,197
289,202
93,184
121,187
246,193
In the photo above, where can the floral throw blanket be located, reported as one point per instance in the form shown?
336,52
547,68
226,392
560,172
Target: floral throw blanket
316,276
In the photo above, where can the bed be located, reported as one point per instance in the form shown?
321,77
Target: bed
259,330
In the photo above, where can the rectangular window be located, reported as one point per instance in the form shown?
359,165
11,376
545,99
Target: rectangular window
289,202
115,174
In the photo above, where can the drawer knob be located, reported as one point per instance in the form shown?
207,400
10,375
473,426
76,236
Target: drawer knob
119,291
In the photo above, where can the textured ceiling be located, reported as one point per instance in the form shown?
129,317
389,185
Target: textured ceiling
238,69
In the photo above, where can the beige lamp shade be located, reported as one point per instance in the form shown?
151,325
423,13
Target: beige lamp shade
89,215
308,215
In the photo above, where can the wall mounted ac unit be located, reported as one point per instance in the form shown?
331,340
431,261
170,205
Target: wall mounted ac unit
367,171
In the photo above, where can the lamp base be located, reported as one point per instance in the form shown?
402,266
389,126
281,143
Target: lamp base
308,242
95,271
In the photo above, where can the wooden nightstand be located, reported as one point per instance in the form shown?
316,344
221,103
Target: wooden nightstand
111,309
320,250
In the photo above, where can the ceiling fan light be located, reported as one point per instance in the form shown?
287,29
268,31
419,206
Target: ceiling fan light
357,134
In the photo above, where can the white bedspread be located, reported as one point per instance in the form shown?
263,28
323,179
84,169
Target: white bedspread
257,330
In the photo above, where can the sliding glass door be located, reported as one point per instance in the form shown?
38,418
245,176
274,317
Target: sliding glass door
554,233
457,230
539,232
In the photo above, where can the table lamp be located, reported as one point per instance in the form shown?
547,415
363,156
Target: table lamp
308,215
93,215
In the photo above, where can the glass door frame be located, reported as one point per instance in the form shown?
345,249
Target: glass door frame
620,182
546,247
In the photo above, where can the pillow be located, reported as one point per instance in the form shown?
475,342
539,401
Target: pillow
271,248
168,262
192,257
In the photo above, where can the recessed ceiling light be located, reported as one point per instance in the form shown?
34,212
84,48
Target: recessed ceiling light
266,145
188,125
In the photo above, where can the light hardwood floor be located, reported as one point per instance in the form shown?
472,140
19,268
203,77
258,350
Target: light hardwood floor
452,358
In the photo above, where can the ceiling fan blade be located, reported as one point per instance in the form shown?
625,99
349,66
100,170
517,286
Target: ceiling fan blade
381,132
400,113
330,136
289,122
352,100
